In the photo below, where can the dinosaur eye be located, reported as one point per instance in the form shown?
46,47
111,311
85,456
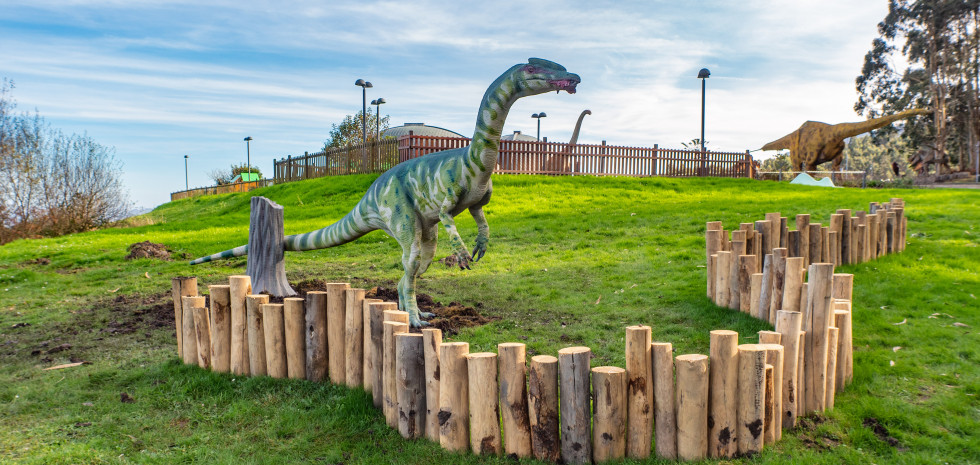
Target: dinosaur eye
531,69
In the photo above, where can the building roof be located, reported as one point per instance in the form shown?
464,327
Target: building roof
247,177
419,129
517,135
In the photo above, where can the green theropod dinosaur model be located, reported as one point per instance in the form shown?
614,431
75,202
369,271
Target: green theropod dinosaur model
409,200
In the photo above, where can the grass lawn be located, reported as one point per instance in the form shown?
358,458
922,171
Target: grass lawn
572,261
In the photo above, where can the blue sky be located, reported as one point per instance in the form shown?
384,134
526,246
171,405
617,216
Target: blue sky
161,79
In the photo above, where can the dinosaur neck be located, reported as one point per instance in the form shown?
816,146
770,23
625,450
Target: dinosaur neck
845,130
483,151
578,126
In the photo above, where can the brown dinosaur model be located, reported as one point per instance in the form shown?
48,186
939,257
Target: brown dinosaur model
815,142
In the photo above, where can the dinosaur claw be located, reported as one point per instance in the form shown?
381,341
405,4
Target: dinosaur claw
426,314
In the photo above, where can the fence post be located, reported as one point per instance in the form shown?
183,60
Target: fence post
864,180
749,170
656,154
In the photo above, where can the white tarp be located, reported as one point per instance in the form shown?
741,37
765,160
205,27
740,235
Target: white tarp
807,180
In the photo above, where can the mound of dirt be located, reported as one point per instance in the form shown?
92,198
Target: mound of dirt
147,249
449,318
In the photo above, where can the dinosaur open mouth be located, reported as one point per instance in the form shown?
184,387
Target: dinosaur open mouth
566,85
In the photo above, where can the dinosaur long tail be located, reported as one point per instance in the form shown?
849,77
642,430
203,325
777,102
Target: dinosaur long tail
350,227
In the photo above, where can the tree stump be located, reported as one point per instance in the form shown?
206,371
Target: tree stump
266,249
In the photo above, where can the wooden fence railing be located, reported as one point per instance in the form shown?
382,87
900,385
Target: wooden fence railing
222,189
521,157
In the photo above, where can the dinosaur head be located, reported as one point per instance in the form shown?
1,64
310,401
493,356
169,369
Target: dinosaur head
539,76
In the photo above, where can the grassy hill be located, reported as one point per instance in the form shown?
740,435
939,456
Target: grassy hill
572,261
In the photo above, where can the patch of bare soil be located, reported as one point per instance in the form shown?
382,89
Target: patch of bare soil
37,261
147,249
448,317
882,432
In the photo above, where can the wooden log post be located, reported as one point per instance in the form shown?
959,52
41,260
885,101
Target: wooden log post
367,350
845,236
273,328
792,284
769,407
354,337
336,333
862,243
189,337
377,313
882,232
316,336
692,406
775,356
815,254
765,289
294,318
872,236
734,293
751,398
845,349
843,286
831,388
723,381
783,232
788,325
722,278
266,249
181,287
825,248
239,287
410,382
609,431
665,419
543,408
803,226
817,320
793,243
747,265
576,421
770,337
484,423
899,228
892,232
774,231
833,248
220,322
639,391
431,339
762,240
512,376
755,290
713,245
202,334
801,407
836,226
389,381
454,395
778,282
257,364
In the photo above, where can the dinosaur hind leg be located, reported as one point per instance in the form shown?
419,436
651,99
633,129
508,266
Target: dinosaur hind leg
410,238
428,250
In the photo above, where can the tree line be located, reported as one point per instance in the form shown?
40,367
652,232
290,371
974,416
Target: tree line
52,183
940,41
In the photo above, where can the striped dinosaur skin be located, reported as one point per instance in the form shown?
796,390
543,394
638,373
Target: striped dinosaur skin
411,199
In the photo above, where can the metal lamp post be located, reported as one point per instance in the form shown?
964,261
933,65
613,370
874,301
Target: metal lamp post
364,87
377,115
186,186
248,157
703,75
538,117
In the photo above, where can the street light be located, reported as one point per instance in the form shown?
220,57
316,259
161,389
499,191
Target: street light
248,158
364,87
538,117
186,186
702,75
377,115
